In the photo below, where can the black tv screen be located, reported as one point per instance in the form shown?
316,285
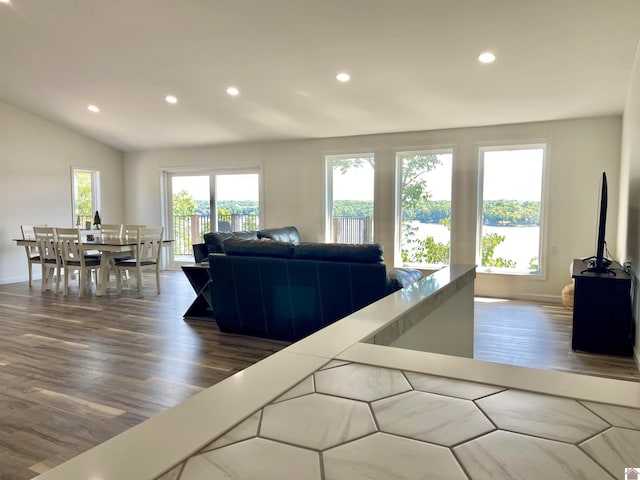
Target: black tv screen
600,264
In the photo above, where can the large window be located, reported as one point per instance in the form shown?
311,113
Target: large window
85,194
510,209
350,179
424,207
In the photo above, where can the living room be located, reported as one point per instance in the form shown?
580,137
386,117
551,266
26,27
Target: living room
39,149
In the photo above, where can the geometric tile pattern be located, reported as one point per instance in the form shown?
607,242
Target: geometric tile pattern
615,449
376,458
450,386
361,382
500,454
432,418
353,421
555,418
316,421
258,459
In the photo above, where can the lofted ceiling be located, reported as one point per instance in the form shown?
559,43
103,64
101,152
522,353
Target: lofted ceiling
413,65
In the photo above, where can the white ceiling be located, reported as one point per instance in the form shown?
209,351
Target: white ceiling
413,65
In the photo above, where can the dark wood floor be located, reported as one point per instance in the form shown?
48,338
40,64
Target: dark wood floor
75,372
537,335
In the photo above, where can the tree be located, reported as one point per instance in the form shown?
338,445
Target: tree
183,204
84,198
414,197
488,245
183,207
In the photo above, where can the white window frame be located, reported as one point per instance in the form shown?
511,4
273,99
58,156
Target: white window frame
435,150
166,175
328,202
95,191
539,274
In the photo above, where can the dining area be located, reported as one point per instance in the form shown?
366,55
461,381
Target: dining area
73,259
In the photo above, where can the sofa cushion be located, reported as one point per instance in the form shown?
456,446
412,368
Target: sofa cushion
246,234
215,240
402,277
257,248
339,252
283,234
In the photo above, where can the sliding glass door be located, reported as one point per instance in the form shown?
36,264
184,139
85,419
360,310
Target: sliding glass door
190,207
233,196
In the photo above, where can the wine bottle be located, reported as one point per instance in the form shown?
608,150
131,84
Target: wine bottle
97,221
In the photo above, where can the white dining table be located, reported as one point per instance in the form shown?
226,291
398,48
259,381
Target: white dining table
108,248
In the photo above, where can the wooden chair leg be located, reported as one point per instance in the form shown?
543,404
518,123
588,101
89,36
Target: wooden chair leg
30,273
58,272
158,279
140,282
118,280
65,285
45,272
81,281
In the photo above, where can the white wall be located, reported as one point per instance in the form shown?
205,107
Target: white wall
36,157
629,227
579,150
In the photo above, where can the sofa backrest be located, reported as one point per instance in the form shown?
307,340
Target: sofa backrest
215,240
287,297
283,234
327,252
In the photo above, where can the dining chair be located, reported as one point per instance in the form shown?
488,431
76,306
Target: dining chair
108,230
33,256
131,231
146,255
50,260
75,259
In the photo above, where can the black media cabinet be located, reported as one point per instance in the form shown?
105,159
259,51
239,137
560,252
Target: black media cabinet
602,319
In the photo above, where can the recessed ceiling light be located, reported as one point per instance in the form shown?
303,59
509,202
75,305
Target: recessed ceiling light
343,77
171,99
5,1
93,108
487,57
233,91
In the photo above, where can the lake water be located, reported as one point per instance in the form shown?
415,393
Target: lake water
521,243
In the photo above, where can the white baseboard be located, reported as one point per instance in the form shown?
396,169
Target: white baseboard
25,278
530,297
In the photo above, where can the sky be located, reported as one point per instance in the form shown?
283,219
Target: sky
228,187
508,175
513,175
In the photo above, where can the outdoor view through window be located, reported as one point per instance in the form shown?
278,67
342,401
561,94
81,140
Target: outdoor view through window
511,199
425,206
236,201
350,181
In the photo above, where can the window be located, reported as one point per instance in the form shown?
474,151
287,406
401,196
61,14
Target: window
233,195
510,219
85,185
424,207
349,209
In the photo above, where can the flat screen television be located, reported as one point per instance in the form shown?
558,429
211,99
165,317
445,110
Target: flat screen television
600,264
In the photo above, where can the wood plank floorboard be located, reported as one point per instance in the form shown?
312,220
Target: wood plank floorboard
539,336
75,372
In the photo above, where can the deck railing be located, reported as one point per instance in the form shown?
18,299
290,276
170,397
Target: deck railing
352,229
189,229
